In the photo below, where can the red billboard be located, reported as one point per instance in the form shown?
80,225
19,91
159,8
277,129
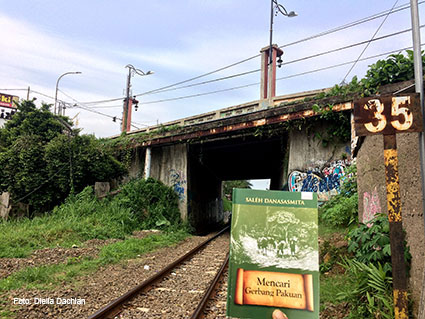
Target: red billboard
7,100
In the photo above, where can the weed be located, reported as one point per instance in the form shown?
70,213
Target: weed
342,209
83,217
371,243
50,276
370,293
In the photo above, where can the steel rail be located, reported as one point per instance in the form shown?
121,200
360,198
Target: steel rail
198,313
114,307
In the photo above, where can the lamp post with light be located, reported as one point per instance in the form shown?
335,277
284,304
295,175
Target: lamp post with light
275,8
126,121
56,92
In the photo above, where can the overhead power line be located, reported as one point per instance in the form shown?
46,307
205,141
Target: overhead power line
282,78
342,64
348,46
42,94
82,106
258,70
286,63
367,45
352,24
343,27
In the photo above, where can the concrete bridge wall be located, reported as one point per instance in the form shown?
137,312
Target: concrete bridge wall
169,165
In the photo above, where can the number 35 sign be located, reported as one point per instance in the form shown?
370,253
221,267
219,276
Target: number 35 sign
387,115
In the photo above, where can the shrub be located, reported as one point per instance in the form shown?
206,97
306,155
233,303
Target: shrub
152,202
372,244
342,209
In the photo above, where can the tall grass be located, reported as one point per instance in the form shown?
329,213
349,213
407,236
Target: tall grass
80,218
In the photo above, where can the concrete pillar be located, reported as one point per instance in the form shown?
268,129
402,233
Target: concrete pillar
169,165
126,116
268,73
148,159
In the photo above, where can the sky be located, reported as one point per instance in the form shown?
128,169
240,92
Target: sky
179,40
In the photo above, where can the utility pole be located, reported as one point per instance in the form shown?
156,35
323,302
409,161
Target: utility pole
126,118
419,88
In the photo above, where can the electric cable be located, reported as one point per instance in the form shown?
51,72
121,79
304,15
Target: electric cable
82,106
278,79
237,87
348,46
42,94
181,82
367,45
343,27
351,24
344,63
257,70
199,94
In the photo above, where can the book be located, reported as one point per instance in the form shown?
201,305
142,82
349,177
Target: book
274,255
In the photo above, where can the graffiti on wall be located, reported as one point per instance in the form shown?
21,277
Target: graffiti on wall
371,206
178,182
325,181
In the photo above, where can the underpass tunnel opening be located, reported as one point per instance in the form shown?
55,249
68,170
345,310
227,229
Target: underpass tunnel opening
243,158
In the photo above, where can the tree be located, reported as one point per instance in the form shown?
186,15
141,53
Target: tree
43,159
229,185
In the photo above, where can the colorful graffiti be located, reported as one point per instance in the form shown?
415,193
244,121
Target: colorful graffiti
371,207
178,182
325,182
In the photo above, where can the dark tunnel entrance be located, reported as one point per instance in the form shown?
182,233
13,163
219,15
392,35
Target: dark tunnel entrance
212,162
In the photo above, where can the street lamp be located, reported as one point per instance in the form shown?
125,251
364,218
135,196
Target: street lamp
127,111
56,93
274,10
279,8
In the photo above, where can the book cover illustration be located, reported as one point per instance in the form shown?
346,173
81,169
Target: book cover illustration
274,257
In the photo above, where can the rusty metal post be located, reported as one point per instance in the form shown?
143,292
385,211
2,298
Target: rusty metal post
396,228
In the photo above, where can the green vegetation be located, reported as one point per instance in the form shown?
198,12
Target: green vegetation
142,204
342,209
371,243
80,218
365,285
370,293
125,141
229,185
396,68
43,160
51,276
153,203
227,205
358,274
228,191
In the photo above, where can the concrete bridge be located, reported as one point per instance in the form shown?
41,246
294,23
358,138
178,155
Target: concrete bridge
195,155
258,140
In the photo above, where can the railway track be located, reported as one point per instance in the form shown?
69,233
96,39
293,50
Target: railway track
182,289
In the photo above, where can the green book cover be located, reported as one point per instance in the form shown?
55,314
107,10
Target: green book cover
274,255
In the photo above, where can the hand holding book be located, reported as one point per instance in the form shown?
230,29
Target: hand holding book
277,314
